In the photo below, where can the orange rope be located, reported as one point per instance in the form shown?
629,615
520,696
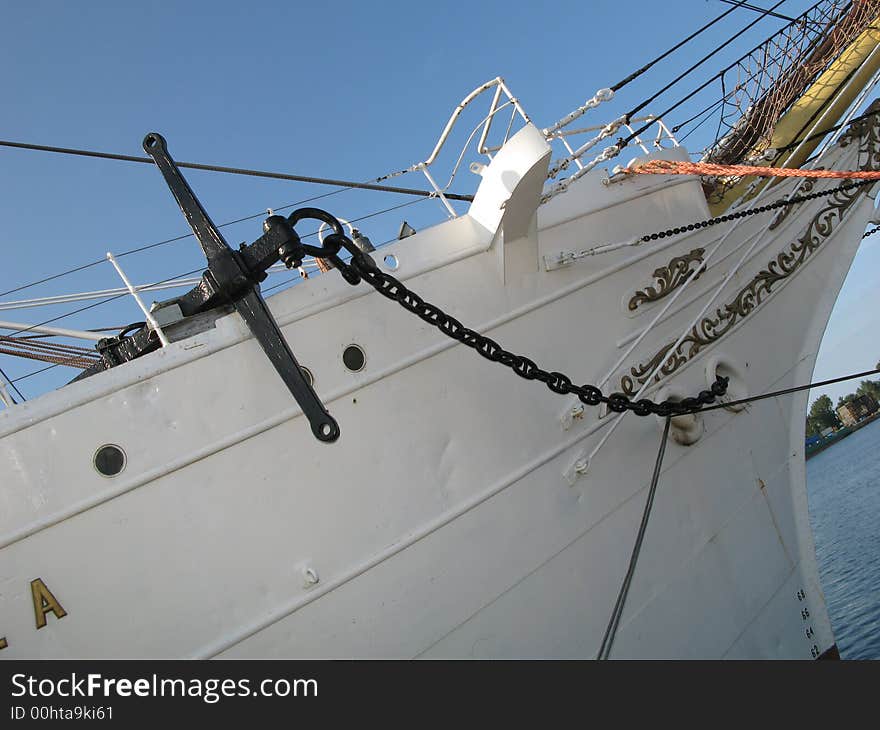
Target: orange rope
679,167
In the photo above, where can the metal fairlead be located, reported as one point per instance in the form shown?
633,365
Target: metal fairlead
233,277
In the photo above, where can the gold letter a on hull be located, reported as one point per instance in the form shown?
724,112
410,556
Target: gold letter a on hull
44,602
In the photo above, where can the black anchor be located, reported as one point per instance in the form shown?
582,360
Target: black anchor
233,277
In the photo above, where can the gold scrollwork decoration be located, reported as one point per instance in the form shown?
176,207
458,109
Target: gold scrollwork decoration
806,186
670,277
712,328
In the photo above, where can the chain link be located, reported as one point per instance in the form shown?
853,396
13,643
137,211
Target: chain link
782,203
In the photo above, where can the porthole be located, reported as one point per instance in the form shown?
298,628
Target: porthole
392,262
353,358
307,374
109,460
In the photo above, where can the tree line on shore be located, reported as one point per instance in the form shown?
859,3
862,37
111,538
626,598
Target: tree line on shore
823,413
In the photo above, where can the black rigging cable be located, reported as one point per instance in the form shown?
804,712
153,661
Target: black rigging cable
31,374
611,629
699,63
786,391
635,74
236,171
710,107
694,129
694,92
755,8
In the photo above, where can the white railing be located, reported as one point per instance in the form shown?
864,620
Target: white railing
495,106
499,85
5,398
137,298
663,134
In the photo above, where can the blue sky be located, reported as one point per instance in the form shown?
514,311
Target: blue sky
340,89
850,343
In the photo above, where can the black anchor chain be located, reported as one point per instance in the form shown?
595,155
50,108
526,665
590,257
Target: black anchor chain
362,267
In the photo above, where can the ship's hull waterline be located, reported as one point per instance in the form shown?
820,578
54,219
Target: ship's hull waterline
449,519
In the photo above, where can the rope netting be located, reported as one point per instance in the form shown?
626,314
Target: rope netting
759,88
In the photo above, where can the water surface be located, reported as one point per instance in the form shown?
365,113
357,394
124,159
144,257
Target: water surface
843,484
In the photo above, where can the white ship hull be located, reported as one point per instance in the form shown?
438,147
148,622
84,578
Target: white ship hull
455,516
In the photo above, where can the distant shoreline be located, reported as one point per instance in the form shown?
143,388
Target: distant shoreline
838,436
